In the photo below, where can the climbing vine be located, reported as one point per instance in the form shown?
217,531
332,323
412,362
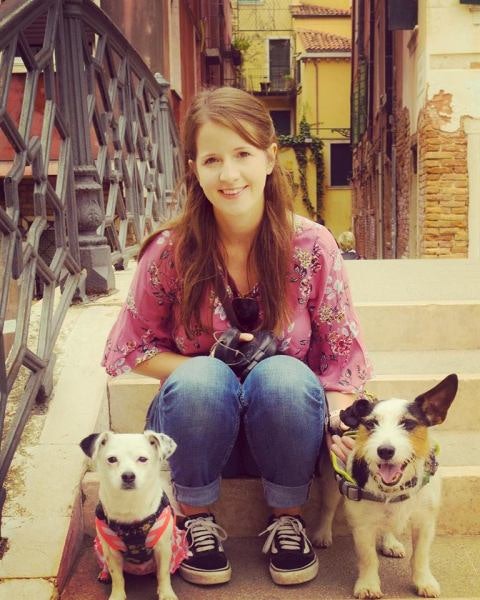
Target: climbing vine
300,144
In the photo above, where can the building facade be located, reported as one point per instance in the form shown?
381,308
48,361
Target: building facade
296,57
416,128
186,41
323,57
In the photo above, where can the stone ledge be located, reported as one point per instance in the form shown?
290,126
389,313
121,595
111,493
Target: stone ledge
243,513
26,589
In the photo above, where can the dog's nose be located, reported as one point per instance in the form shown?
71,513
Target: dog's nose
385,452
128,477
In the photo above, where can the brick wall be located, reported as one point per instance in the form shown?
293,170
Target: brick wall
402,180
364,195
443,182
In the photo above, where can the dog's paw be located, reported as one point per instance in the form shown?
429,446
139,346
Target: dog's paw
165,592
322,538
322,541
427,587
365,588
117,596
168,596
390,546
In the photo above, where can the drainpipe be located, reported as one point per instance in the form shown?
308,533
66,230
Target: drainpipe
317,116
394,202
380,206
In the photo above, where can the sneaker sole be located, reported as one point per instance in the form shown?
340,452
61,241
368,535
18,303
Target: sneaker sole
294,577
205,577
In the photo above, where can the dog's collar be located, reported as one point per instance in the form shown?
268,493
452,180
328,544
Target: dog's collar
100,514
349,488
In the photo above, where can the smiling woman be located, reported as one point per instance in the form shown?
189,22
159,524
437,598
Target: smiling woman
239,268
232,175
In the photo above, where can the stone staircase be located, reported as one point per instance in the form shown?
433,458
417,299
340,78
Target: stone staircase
421,321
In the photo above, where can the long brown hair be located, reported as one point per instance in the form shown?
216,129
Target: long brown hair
197,249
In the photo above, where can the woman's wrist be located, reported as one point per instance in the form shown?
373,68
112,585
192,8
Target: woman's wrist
336,402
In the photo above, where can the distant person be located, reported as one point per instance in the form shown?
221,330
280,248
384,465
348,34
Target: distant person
346,243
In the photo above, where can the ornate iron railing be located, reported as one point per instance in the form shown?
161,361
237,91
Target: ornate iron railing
88,163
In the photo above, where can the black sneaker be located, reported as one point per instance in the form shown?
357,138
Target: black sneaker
208,564
292,558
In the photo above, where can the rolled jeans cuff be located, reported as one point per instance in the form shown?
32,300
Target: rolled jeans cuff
197,496
281,496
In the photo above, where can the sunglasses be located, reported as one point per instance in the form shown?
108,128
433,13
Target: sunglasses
247,312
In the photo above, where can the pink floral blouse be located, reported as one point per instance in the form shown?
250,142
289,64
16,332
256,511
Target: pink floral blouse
324,331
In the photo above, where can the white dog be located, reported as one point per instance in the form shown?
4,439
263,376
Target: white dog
134,520
389,479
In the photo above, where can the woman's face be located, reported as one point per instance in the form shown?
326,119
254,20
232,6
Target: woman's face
232,172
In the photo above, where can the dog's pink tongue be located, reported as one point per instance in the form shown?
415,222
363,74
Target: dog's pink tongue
389,473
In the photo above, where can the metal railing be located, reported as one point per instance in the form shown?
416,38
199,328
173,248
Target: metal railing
88,162
268,80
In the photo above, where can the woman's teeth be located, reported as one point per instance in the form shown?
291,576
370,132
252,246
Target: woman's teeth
231,192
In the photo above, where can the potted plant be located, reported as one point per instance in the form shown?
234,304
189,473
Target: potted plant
265,87
239,47
288,82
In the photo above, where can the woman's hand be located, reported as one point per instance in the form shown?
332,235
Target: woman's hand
341,446
246,337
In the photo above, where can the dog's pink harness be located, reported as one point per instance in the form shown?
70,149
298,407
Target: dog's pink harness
136,540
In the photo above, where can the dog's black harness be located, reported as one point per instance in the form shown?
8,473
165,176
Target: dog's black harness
349,488
134,535
136,540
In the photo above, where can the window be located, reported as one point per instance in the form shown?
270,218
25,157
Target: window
340,165
278,62
281,121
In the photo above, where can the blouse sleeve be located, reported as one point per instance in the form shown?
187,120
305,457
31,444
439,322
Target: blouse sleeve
337,352
144,326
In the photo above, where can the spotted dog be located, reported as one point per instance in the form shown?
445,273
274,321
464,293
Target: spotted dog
388,481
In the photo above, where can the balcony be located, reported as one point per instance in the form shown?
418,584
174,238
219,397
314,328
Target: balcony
277,83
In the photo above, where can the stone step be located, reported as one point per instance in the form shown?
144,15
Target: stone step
418,326
414,280
400,374
241,509
454,562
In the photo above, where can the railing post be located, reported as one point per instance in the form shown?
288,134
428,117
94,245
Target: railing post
165,138
94,249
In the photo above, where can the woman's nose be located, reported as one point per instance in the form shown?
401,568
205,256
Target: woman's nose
229,171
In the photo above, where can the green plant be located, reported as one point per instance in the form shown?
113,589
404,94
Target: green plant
300,143
241,43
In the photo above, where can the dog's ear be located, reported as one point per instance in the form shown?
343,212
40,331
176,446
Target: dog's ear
90,444
435,403
164,444
352,415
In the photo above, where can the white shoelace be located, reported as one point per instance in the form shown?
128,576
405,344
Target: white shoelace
291,534
205,533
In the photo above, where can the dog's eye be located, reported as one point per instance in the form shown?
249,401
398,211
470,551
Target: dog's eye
142,459
112,459
369,425
409,424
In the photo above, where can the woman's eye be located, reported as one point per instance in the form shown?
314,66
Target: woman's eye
210,161
142,459
409,424
112,459
244,154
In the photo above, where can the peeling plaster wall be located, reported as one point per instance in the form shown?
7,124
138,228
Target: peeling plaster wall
443,59
446,162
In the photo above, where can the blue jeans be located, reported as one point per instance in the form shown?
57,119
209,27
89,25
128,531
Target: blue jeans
280,406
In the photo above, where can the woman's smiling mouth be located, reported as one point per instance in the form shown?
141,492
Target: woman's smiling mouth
232,193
